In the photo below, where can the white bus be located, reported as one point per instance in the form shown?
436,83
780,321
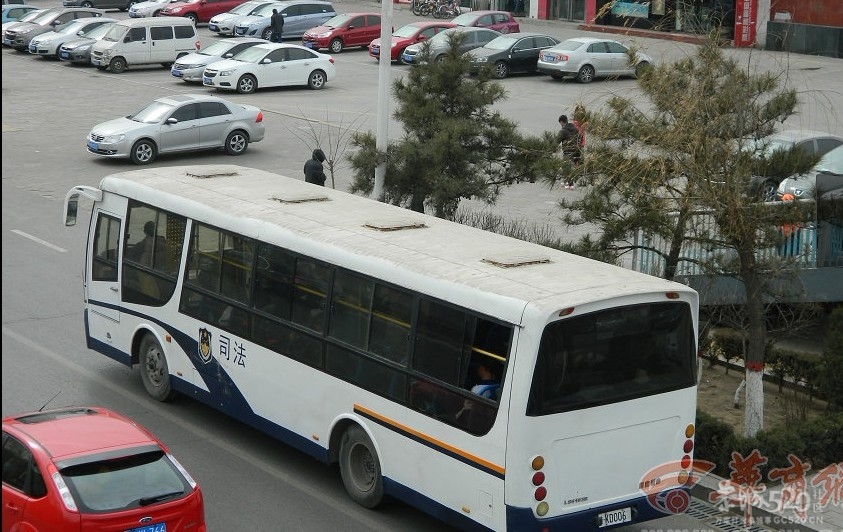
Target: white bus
356,331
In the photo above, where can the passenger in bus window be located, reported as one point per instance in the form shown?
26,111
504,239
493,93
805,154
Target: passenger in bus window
487,385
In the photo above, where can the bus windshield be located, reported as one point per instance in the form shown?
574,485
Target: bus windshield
611,356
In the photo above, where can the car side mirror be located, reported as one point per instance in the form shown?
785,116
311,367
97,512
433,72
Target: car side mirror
80,33
172,121
228,55
351,26
266,61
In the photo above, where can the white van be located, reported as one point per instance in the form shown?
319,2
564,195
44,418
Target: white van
144,41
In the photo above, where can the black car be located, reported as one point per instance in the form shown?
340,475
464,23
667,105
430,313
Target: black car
511,53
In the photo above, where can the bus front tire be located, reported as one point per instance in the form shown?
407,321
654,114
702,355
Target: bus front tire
154,371
360,468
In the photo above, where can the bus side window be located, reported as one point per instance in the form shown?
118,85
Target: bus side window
106,240
439,342
311,292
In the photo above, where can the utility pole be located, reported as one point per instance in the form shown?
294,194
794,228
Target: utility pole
384,89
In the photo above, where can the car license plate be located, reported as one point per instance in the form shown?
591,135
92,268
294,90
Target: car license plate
615,517
65,55
376,49
177,73
93,145
159,527
407,58
308,44
213,27
206,81
7,42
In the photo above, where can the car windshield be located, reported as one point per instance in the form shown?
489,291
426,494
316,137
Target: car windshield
568,45
32,15
337,21
442,36
465,19
832,162
264,11
45,17
70,27
251,55
115,33
153,113
504,42
133,481
247,8
98,32
217,49
406,31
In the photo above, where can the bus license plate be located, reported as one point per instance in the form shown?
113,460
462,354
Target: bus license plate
615,517
160,527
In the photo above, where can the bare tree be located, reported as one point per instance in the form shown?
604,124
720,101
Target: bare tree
332,138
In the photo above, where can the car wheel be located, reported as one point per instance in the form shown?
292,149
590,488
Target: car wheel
247,84
767,191
586,74
317,80
144,152
640,68
154,371
156,13
87,3
501,70
193,18
266,34
360,468
336,46
117,65
236,142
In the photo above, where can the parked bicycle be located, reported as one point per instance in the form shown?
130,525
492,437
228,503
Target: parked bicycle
417,5
427,7
449,9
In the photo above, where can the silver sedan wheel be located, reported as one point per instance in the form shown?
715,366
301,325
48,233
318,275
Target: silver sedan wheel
143,152
317,80
236,143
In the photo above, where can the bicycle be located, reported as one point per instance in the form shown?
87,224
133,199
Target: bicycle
417,5
448,10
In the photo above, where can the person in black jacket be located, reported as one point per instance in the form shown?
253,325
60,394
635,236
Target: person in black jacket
277,21
313,171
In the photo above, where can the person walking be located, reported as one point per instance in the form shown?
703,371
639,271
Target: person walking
277,22
569,140
313,170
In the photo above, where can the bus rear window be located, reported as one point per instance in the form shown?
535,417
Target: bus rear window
613,355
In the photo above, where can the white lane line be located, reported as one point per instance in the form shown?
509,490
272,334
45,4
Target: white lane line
38,240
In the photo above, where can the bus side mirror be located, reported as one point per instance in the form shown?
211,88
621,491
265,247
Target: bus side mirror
71,210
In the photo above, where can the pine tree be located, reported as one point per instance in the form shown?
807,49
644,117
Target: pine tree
455,145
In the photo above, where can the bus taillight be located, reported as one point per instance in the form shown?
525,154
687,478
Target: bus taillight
540,494
672,295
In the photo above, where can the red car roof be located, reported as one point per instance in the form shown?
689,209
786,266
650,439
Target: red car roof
74,432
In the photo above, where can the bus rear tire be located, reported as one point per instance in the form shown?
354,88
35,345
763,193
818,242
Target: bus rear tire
360,468
154,371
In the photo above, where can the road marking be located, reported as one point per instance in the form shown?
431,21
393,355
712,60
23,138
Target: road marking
39,241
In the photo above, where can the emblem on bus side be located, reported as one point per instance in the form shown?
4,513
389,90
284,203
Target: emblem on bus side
205,345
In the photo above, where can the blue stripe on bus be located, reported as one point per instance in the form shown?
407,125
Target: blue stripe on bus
431,442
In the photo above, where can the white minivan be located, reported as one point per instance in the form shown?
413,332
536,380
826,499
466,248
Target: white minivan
144,41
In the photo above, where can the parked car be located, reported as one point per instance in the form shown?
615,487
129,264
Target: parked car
511,53
190,67
501,21
198,10
122,5
299,16
78,50
587,58
19,35
271,65
810,143
48,44
89,468
13,2
440,44
344,31
178,123
224,23
14,12
27,17
149,9
144,41
408,34
825,177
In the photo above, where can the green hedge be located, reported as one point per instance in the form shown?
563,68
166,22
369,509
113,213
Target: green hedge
818,441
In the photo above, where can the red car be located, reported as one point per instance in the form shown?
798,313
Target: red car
410,34
501,21
199,10
344,31
90,469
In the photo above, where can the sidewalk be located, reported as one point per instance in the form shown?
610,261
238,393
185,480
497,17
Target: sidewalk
766,515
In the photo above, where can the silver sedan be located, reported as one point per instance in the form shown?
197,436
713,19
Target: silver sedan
190,67
178,123
587,58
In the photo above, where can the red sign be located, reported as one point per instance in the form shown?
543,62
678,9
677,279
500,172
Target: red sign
746,12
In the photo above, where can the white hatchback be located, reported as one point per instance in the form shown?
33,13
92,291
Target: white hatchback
271,65
224,23
148,9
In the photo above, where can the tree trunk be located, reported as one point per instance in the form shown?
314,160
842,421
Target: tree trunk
757,335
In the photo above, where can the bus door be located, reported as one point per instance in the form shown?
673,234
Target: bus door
102,286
